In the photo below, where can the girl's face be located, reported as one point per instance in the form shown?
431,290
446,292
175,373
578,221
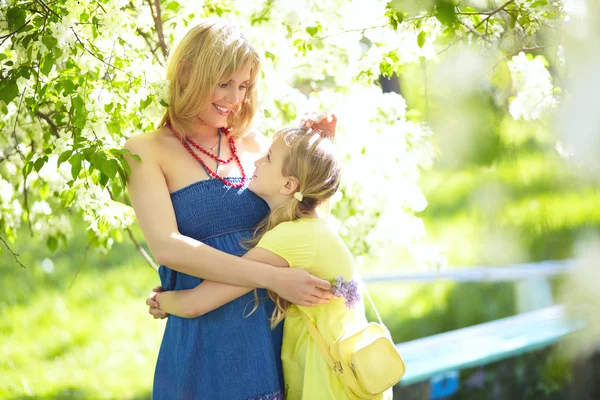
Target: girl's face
225,97
268,181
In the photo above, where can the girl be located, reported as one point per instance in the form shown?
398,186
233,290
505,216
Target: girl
188,191
298,173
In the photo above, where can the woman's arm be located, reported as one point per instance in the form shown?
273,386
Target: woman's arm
210,295
153,208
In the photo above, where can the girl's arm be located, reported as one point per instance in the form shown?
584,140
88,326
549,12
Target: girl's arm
154,211
210,295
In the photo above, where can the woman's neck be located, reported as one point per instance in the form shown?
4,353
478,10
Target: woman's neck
198,131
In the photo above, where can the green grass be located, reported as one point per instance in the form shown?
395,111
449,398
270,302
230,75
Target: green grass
92,341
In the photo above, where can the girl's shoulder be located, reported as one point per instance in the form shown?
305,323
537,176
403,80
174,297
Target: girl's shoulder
299,226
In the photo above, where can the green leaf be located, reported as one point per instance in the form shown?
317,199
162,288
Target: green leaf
8,90
421,39
75,162
68,86
27,169
49,41
444,12
67,197
270,55
39,163
143,103
114,127
103,179
52,243
64,156
47,64
15,18
312,30
174,6
78,103
110,167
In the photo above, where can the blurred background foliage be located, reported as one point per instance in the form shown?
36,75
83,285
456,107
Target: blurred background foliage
494,116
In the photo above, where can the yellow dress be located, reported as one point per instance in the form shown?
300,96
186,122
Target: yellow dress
311,244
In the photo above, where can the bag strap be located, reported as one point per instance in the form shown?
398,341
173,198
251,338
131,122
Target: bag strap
322,346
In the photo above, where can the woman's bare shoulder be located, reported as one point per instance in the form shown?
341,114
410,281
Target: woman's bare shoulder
147,143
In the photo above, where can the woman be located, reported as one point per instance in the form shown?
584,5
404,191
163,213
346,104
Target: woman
299,173
187,191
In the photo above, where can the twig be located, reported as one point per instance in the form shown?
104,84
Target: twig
492,13
474,32
6,156
351,30
526,49
85,252
49,121
147,40
473,13
489,15
15,31
138,246
48,8
15,255
95,56
142,251
158,26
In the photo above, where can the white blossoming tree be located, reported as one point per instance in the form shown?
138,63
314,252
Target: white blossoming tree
78,78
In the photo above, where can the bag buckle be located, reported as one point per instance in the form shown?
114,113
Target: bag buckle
337,367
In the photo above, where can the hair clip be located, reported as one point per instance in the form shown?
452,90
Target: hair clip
298,196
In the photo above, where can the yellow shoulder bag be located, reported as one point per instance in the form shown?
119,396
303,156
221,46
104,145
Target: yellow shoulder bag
365,360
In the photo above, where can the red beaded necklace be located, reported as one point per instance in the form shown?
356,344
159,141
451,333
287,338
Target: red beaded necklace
212,173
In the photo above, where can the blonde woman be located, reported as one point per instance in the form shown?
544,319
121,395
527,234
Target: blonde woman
189,193
298,173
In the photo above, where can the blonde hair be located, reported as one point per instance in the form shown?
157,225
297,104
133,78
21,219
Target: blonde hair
209,54
311,160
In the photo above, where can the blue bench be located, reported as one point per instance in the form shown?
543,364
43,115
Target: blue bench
483,344
438,359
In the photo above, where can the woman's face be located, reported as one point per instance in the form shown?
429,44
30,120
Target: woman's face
225,97
268,180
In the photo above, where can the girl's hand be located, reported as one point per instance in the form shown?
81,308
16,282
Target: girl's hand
301,288
323,121
152,303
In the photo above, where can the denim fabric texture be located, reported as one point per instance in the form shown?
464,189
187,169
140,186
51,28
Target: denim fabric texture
224,354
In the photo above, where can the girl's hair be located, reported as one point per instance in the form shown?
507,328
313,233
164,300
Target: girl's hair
311,160
209,54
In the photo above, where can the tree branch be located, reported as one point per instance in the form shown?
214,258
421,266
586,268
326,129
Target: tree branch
49,121
146,38
142,251
138,246
492,13
48,8
474,32
85,252
15,31
489,14
95,56
351,30
15,255
156,15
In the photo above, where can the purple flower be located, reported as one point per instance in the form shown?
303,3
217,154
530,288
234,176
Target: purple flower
347,289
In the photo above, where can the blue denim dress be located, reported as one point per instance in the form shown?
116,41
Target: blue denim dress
222,354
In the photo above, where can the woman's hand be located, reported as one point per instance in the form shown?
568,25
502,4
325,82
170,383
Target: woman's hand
322,121
301,288
152,303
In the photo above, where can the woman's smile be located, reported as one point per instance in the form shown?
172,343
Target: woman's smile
222,110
